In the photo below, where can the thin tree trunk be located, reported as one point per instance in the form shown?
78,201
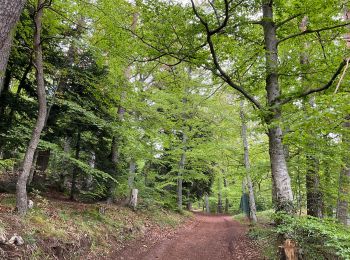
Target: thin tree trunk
343,199
89,178
252,206
33,168
10,11
220,199
132,172
21,187
206,200
226,198
75,170
121,111
328,207
281,179
115,160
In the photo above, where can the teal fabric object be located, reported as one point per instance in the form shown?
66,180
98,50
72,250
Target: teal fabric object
244,205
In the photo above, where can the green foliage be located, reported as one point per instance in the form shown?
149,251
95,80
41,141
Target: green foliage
317,238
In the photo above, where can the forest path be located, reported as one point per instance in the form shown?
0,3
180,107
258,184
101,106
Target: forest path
211,237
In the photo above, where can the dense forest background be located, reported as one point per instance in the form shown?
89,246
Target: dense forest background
212,104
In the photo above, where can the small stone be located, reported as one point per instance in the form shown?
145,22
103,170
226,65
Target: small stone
16,240
3,238
30,204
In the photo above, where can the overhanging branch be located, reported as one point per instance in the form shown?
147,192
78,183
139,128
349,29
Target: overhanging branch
312,31
325,87
222,74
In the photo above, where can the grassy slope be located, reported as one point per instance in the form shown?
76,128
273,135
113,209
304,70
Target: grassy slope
70,230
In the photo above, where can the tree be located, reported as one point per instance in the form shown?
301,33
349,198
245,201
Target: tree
247,166
9,15
225,23
21,187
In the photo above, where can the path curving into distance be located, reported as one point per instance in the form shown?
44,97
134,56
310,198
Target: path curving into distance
212,237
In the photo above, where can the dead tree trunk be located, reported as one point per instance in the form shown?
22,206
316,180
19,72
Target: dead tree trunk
252,206
21,187
281,178
10,11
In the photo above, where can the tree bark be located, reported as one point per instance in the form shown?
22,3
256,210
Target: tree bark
226,198
10,12
21,187
132,172
206,199
114,160
133,198
252,206
281,179
219,200
88,179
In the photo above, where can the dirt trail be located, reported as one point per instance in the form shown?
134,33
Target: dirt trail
210,238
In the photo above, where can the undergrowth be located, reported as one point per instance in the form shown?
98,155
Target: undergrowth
53,228
315,238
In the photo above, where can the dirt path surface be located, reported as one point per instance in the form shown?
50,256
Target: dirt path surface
207,238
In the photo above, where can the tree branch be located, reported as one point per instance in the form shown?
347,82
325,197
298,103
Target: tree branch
222,74
312,31
288,20
325,87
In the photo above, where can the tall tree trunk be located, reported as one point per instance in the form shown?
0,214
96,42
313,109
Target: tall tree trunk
89,178
220,199
75,170
121,111
132,172
115,160
327,203
206,200
226,198
343,195
33,168
313,189
281,179
344,181
21,187
10,11
252,206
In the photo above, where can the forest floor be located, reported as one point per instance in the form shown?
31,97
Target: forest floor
207,237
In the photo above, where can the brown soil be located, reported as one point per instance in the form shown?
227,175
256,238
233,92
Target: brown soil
208,237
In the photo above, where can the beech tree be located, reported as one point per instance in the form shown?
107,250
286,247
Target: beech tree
9,16
21,187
